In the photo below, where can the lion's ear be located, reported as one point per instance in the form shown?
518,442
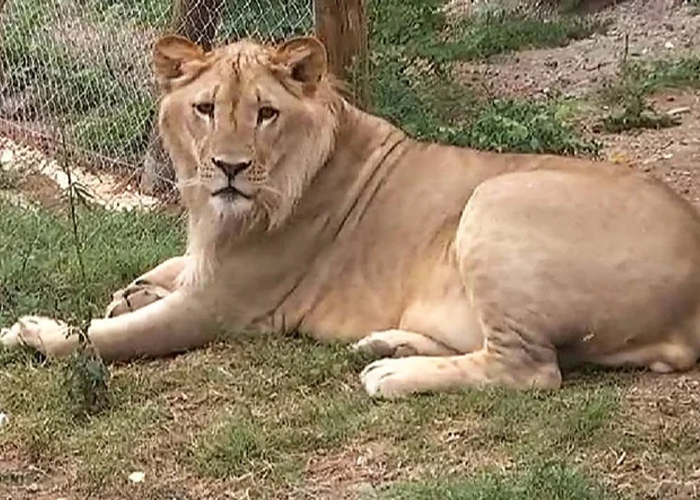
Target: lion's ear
171,55
305,58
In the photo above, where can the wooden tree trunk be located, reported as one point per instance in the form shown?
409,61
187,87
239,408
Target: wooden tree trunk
198,21
342,26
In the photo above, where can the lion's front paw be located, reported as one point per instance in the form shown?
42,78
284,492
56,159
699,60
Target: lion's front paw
37,332
390,378
9,337
138,294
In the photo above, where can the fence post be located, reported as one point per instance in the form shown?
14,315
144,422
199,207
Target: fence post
342,27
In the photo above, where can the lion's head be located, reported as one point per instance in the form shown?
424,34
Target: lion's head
247,126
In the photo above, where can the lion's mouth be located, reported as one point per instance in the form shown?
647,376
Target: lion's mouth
230,193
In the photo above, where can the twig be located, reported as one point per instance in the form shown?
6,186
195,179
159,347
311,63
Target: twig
62,160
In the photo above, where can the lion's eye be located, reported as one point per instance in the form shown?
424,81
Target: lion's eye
205,108
266,113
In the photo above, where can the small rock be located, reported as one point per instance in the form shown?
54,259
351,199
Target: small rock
137,477
678,111
669,45
3,419
6,156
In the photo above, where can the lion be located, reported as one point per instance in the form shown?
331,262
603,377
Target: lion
454,268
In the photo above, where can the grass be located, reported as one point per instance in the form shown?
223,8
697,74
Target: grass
37,266
550,480
498,32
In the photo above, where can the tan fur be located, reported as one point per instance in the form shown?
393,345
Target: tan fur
461,268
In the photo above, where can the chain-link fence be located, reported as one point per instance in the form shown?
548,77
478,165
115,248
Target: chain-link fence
75,75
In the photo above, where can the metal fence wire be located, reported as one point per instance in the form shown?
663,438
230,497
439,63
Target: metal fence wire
75,75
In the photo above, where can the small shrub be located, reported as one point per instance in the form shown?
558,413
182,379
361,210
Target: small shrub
525,126
86,383
628,96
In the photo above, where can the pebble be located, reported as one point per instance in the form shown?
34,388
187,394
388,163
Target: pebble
137,477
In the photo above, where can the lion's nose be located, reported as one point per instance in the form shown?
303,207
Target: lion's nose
231,169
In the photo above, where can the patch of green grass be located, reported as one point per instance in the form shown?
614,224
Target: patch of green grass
675,73
118,131
503,31
234,447
45,426
548,480
40,274
518,424
310,403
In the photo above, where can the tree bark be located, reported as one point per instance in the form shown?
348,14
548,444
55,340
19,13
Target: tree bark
342,27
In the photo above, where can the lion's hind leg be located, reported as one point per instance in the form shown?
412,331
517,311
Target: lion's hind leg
508,359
